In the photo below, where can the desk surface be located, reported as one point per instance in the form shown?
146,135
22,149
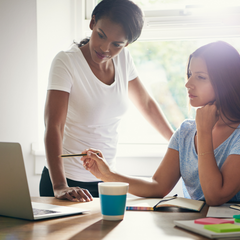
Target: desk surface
90,226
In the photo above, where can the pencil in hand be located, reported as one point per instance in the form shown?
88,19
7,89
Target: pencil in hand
74,155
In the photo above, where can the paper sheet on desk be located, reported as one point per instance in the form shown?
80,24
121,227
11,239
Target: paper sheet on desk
222,211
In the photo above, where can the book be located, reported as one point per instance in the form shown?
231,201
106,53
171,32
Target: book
222,211
235,206
170,203
200,229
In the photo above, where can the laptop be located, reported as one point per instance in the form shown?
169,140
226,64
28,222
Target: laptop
15,198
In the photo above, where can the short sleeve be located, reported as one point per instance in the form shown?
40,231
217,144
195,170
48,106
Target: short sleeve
132,71
60,76
235,149
174,141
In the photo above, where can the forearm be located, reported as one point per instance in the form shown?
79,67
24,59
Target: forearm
149,108
53,147
155,116
163,181
210,176
137,186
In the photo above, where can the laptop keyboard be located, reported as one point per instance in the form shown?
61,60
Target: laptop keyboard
42,211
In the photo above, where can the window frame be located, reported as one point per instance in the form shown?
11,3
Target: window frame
183,22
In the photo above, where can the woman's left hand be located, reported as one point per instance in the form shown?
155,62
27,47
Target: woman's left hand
206,117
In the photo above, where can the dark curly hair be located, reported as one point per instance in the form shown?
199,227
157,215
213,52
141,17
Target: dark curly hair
123,12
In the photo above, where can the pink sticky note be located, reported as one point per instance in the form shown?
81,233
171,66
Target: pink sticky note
206,221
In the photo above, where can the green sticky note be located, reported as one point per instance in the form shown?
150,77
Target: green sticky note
221,228
237,220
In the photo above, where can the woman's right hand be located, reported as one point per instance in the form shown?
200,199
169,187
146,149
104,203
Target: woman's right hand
74,194
95,163
206,117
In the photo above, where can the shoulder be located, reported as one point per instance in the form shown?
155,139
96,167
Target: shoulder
186,130
65,56
124,55
188,124
67,59
186,127
235,136
235,141
183,134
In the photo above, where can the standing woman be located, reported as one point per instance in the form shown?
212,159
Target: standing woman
87,97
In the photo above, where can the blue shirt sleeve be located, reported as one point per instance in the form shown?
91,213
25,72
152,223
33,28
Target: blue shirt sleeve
235,148
174,141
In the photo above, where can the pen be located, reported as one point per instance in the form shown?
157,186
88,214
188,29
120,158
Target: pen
74,155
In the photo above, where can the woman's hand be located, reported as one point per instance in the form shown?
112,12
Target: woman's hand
96,164
206,117
74,194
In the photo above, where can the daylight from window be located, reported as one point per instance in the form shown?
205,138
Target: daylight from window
160,4
161,66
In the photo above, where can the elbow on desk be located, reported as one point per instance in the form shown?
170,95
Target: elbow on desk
215,201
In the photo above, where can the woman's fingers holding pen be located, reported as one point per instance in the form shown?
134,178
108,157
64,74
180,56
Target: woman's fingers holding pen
92,156
92,150
96,164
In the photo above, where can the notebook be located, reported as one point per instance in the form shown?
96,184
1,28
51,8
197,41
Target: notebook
201,229
222,211
15,198
169,203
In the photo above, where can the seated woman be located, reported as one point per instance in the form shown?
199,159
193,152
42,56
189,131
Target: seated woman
205,152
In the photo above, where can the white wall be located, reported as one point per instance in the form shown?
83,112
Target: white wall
57,27
31,33
18,79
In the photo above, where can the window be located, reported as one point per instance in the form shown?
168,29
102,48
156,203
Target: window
172,30
162,68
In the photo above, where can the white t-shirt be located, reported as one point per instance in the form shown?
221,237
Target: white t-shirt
94,109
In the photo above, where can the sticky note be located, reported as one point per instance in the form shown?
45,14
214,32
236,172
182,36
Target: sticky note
221,228
236,216
206,221
237,220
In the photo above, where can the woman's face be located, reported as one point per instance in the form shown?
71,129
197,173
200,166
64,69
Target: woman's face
199,86
107,39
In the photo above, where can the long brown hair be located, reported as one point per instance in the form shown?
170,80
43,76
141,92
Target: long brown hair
223,64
